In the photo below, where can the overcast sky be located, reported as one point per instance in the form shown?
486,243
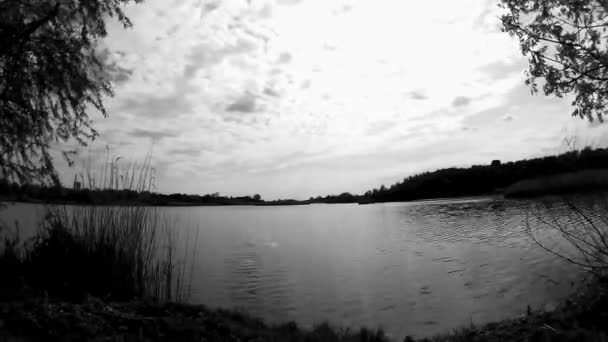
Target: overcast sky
291,99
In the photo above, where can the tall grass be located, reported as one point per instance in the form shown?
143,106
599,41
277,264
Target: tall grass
121,252
116,174
113,252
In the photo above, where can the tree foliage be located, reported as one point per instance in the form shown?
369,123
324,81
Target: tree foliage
488,179
567,47
51,75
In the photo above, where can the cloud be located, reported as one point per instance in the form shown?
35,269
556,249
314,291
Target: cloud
173,29
501,69
155,106
211,6
114,70
417,95
121,75
594,123
284,58
192,152
517,101
233,118
154,135
378,127
345,8
206,55
508,117
461,101
288,2
329,47
416,132
481,20
305,84
246,103
265,12
271,92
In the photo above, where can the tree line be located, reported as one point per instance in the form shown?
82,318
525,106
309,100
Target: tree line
487,179
492,178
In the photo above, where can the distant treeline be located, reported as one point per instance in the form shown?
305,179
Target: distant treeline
37,193
487,179
493,178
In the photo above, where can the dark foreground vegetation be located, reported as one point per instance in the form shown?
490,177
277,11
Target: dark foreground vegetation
116,253
574,171
92,319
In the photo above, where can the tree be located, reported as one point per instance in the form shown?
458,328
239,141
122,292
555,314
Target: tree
566,43
51,75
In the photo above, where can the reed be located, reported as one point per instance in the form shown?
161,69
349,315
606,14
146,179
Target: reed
122,253
115,174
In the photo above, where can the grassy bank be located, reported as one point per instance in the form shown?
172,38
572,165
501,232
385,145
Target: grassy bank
96,320
582,318
571,182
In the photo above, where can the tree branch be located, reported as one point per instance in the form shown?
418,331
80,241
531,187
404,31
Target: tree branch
36,24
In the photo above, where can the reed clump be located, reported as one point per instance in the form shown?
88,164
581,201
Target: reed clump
108,251
114,252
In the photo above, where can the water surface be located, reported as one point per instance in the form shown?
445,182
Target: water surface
414,268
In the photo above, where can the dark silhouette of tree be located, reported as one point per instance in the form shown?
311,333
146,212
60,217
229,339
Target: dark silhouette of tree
566,45
51,74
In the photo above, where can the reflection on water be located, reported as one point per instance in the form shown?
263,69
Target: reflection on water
413,268
253,284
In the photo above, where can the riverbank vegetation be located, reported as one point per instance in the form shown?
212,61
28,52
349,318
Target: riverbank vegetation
113,252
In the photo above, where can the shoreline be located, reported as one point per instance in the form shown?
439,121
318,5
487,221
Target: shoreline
194,204
92,319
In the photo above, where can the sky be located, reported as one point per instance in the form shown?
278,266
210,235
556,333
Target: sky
299,98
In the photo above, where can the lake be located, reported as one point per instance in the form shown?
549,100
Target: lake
415,268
